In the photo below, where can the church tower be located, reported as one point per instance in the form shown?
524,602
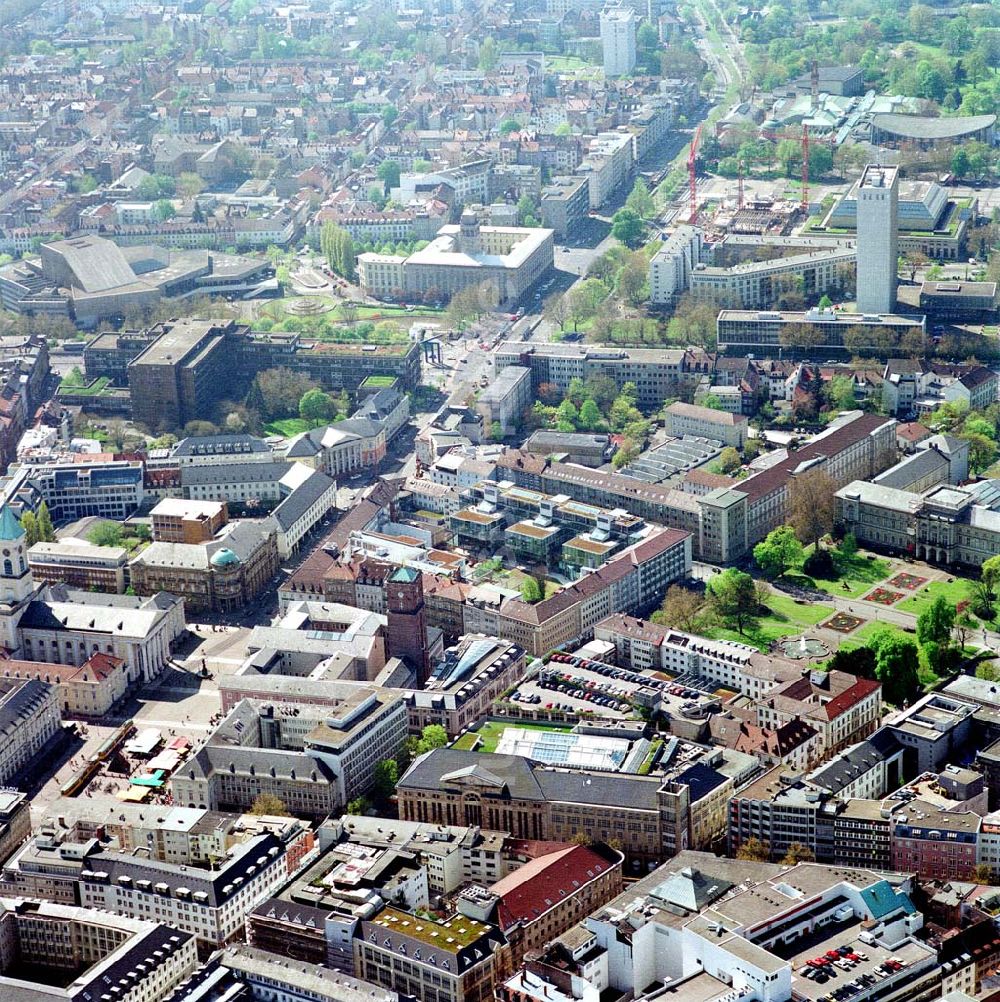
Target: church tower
404,599
17,585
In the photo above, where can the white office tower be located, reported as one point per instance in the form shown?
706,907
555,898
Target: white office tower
878,201
618,27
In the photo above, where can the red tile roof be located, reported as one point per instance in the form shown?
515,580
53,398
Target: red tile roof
543,882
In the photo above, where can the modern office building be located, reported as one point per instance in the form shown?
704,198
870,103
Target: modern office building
80,564
618,31
819,333
878,239
759,284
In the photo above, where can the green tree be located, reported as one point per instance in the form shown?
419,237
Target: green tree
389,171
733,596
848,546
488,54
566,416
590,415
317,407
358,806
508,125
935,623
682,609
960,162
389,115
896,659
496,431
778,552
754,850
46,531
30,525
840,393
640,201
431,737
627,227
163,209
106,534
385,776
982,451
337,247
531,591
729,460
270,805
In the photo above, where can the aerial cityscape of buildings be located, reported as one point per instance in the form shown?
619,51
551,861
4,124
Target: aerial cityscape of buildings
500,501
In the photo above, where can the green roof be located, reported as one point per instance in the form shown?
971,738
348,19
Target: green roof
883,900
406,575
461,931
10,527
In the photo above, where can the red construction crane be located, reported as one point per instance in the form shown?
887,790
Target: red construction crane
692,179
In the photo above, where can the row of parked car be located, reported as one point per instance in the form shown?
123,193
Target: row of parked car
610,697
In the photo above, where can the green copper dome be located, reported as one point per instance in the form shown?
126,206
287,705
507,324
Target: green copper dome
224,558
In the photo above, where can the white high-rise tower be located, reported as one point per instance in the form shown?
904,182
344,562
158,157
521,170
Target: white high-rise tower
878,242
618,28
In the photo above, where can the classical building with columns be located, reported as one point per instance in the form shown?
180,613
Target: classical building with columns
64,626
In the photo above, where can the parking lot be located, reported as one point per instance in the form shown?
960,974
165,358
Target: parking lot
579,685
838,967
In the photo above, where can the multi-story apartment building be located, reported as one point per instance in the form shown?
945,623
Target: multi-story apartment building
607,165
79,564
224,574
144,959
506,398
315,759
674,263
87,690
459,960
177,520
618,30
937,844
111,490
565,204
877,217
210,904
183,374
29,720
545,895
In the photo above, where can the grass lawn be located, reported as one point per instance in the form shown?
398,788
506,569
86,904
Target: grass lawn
490,733
786,619
858,573
953,591
287,427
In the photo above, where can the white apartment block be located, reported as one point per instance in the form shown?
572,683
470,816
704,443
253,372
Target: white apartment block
607,165
618,30
671,267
